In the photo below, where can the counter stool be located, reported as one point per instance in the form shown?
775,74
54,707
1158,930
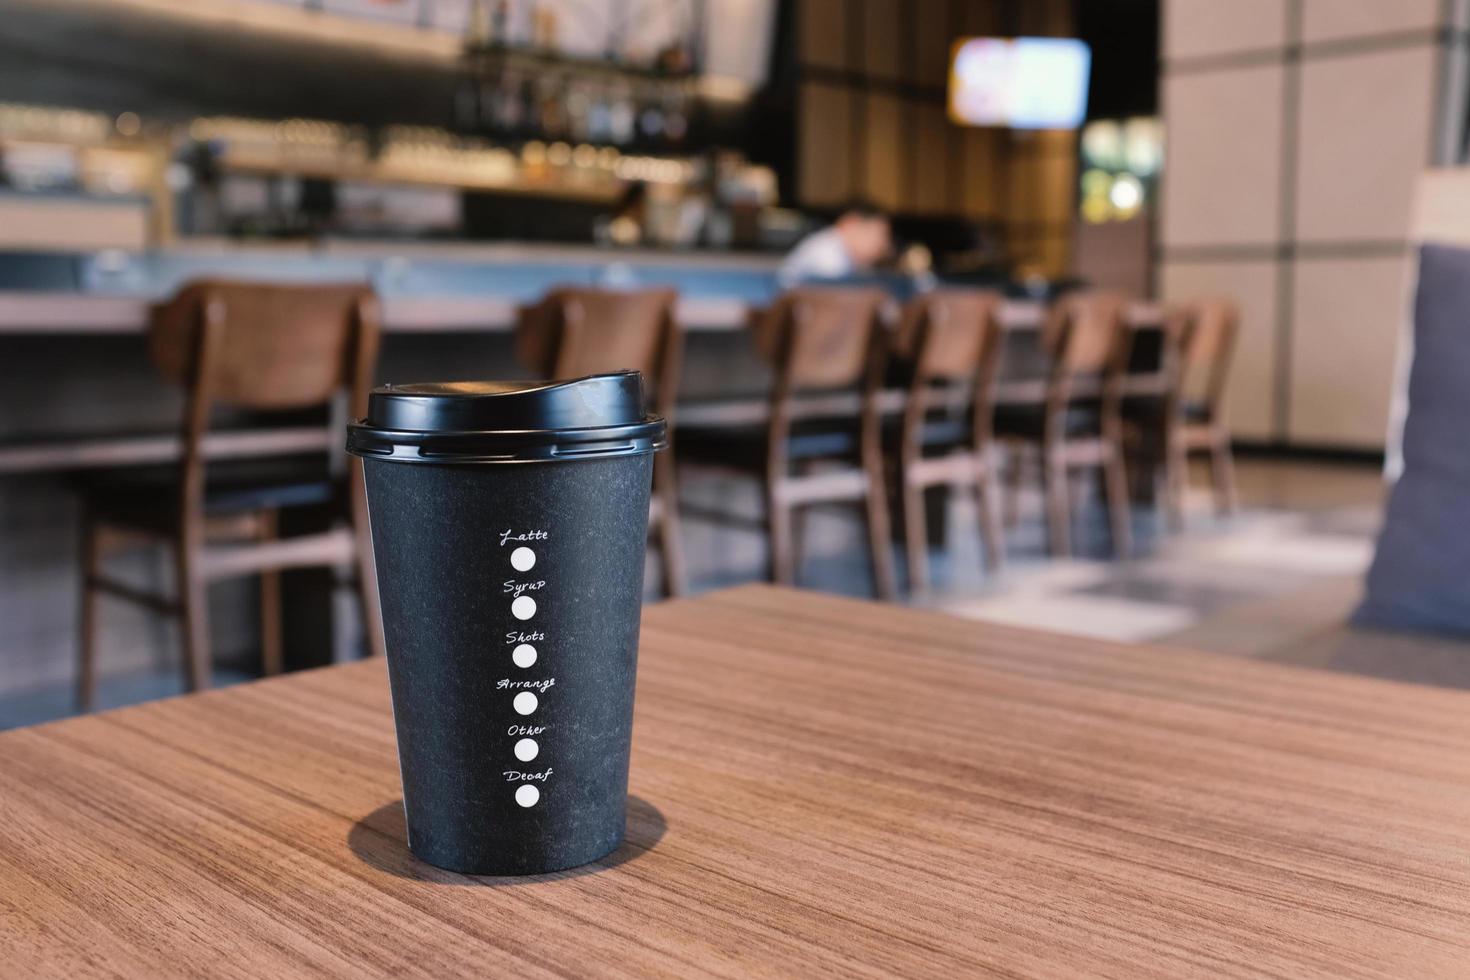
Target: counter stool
952,339
1195,408
252,347
819,341
1079,423
574,331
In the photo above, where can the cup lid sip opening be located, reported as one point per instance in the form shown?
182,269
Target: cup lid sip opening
508,421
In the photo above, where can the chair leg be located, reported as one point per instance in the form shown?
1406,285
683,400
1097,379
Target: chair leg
367,572
194,604
1120,514
987,505
271,659
916,536
91,566
1222,469
798,524
1176,474
1058,506
778,526
876,501
671,554
798,519
1012,515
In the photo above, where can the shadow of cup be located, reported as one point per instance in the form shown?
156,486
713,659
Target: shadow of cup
380,840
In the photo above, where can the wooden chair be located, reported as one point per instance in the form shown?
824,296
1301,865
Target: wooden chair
573,332
820,342
251,347
1195,407
952,339
1080,423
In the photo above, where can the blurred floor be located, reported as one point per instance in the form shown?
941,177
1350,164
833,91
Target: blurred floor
1277,581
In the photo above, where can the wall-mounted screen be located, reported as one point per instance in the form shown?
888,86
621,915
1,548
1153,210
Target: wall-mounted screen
1022,83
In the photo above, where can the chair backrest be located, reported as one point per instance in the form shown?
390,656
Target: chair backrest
1083,331
1206,345
824,336
948,332
952,337
576,331
1087,337
264,346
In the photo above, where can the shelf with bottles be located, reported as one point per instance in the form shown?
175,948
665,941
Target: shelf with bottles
670,64
523,77
509,103
68,152
651,39
427,156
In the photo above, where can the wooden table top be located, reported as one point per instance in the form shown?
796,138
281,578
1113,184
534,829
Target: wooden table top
820,786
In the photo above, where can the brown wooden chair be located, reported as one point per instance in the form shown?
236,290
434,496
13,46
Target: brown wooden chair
574,331
952,340
250,347
1079,424
820,342
1195,408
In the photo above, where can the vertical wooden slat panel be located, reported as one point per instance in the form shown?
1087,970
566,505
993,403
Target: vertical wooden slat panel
1056,173
884,146
982,175
932,37
1043,172
1045,18
1025,187
1018,207
936,140
981,18
1039,201
884,37
822,33
824,128
1054,254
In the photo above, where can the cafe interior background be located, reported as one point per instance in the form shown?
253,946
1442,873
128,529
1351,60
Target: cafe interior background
1282,169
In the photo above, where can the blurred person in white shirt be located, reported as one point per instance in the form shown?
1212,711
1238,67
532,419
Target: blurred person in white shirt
858,240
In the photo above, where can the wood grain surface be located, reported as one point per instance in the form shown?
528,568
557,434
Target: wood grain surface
820,787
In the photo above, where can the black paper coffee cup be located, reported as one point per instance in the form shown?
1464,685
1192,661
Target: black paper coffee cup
509,522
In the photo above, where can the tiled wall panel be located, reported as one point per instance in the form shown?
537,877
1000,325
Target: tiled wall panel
1336,20
1203,28
1296,132
1223,157
1363,139
1344,338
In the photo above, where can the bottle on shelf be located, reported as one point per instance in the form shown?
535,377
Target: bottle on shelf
622,116
478,27
500,23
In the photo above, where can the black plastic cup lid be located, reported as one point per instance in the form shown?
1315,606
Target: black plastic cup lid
507,421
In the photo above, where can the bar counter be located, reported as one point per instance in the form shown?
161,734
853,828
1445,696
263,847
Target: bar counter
436,287
82,315
86,303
